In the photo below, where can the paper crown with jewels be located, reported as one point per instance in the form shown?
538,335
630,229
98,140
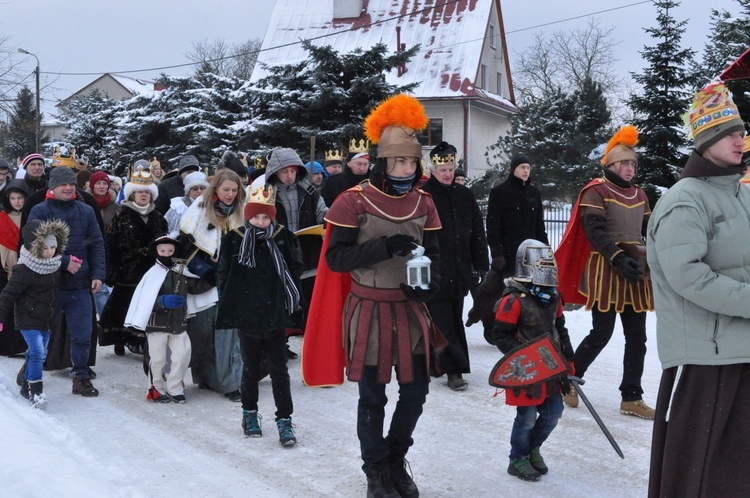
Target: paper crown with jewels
712,115
141,180
334,155
154,163
359,147
67,158
260,200
443,153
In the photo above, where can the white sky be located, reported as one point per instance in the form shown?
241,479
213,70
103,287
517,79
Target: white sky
92,36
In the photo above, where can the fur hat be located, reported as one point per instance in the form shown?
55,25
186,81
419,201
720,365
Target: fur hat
621,146
261,200
141,181
393,126
99,176
37,234
188,163
712,116
61,175
31,157
195,179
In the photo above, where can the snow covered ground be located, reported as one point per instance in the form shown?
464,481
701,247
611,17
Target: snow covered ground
121,445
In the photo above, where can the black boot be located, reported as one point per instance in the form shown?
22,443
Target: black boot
36,396
402,479
21,375
380,482
24,389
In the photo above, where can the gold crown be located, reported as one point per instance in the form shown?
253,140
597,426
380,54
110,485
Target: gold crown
140,173
359,147
243,159
154,163
262,194
334,155
59,160
438,160
259,163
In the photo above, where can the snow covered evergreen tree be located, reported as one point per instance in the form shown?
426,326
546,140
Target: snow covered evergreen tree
18,135
729,37
666,87
327,96
557,133
90,124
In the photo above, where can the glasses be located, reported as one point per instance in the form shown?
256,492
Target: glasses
199,187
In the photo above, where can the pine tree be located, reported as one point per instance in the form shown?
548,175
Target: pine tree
18,136
729,37
327,96
90,124
666,90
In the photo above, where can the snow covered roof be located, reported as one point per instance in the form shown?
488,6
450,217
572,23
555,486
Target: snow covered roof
134,85
451,36
128,87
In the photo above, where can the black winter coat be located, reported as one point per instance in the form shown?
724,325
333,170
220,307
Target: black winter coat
128,239
34,296
514,214
462,241
334,185
169,188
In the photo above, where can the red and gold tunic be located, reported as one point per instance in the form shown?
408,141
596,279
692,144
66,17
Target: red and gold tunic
380,326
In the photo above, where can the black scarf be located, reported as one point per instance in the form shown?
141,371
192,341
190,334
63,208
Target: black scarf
247,258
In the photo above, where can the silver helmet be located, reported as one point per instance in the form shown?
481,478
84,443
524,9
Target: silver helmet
536,264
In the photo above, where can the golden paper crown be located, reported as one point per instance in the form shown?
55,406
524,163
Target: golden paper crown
140,173
243,159
363,146
334,155
711,106
154,163
746,146
259,163
59,160
438,160
262,194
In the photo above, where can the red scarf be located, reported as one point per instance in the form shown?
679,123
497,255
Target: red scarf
9,232
103,201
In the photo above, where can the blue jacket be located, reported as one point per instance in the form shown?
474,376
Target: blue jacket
85,242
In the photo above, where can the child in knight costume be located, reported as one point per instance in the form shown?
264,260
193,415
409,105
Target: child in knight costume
160,307
386,323
531,308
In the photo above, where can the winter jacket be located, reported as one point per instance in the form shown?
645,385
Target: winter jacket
334,185
174,320
514,214
253,298
169,188
128,240
463,245
85,242
700,271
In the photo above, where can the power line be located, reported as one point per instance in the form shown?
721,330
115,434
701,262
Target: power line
335,33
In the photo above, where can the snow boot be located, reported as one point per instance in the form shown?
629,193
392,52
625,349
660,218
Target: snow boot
286,432
21,375
571,399
177,398
154,395
251,423
456,382
523,469
380,482
637,408
403,482
536,460
235,396
24,389
84,387
36,396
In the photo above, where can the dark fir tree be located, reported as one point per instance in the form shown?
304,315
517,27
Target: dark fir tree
728,38
18,135
327,96
90,124
558,134
666,87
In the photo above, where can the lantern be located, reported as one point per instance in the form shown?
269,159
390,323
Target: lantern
418,269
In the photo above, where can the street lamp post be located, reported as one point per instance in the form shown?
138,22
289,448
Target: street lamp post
37,118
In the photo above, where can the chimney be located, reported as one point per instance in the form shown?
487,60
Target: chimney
347,9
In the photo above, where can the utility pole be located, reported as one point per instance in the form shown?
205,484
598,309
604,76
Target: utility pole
37,118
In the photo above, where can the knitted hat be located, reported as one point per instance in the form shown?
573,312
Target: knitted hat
61,175
195,179
188,163
516,161
443,153
459,173
100,176
712,116
316,168
141,180
4,164
261,200
393,126
31,157
621,146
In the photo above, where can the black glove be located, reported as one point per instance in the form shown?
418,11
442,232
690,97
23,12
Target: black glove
477,278
565,385
419,294
630,268
400,244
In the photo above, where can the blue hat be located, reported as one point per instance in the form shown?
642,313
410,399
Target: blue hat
316,168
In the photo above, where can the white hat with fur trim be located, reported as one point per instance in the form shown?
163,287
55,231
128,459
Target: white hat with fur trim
141,180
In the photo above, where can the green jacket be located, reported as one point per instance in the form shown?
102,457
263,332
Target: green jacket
697,239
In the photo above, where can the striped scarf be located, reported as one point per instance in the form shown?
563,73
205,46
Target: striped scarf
247,258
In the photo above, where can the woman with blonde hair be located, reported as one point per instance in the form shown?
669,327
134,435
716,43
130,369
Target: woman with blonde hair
216,362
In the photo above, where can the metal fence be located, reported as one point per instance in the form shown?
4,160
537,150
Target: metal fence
556,216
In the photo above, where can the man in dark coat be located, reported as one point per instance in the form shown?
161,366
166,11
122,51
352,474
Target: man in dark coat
84,263
514,214
173,186
463,250
33,166
355,172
